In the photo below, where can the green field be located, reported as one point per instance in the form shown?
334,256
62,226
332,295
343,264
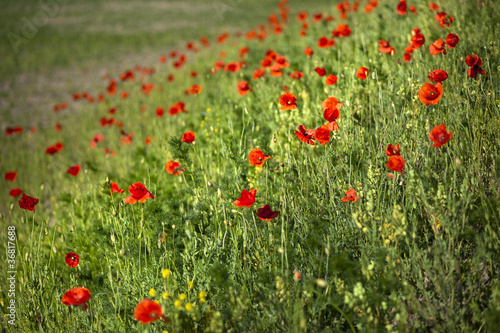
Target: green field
416,248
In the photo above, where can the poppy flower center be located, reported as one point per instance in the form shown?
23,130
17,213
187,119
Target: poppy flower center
153,315
441,138
73,258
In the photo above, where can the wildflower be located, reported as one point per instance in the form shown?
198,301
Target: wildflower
77,297
148,139
391,151
54,148
246,199
331,106
296,75
296,276
147,311
233,67
452,40
362,73
288,101
320,70
139,193
350,195
475,66
257,157
396,163
331,80
243,88
430,94
164,295
438,75
182,296
152,292
15,192
417,39
401,8
190,284
305,135
28,202
72,259
177,303
265,213
258,73
439,136
174,168
10,176
115,188
189,306
74,170
188,137
342,30
165,273
386,48
308,51
322,135
195,89
324,42
413,9
437,47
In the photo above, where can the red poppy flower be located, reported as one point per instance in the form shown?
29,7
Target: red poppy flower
433,6
13,130
15,192
444,19
362,73
107,122
188,137
77,297
342,30
308,51
288,101
386,48
233,67
331,80
275,71
417,39
437,47
58,127
322,135
391,151
11,176
148,311
246,199
407,57
413,9
139,193
350,195
320,70
331,103
439,136
332,126
475,66
452,40
371,6
296,75
115,188
74,170
174,168
305,135
317,17
257,157
127,139
72,259
28,202
54,148
265,213
258,73
401,8
243,88
438,75
324,42
396,163
430,94
195,89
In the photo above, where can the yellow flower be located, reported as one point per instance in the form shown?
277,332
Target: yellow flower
152,292
165,295
182,296
177,303
202,299
189,306
164,331
190,284
165,273
202,294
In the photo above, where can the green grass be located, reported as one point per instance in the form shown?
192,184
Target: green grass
418,252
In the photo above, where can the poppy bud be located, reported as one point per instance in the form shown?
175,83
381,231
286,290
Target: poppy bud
282,165
173,226
115,212
210,184
122,252
274,140
296,276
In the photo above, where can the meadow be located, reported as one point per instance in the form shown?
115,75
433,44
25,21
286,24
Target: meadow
322,167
